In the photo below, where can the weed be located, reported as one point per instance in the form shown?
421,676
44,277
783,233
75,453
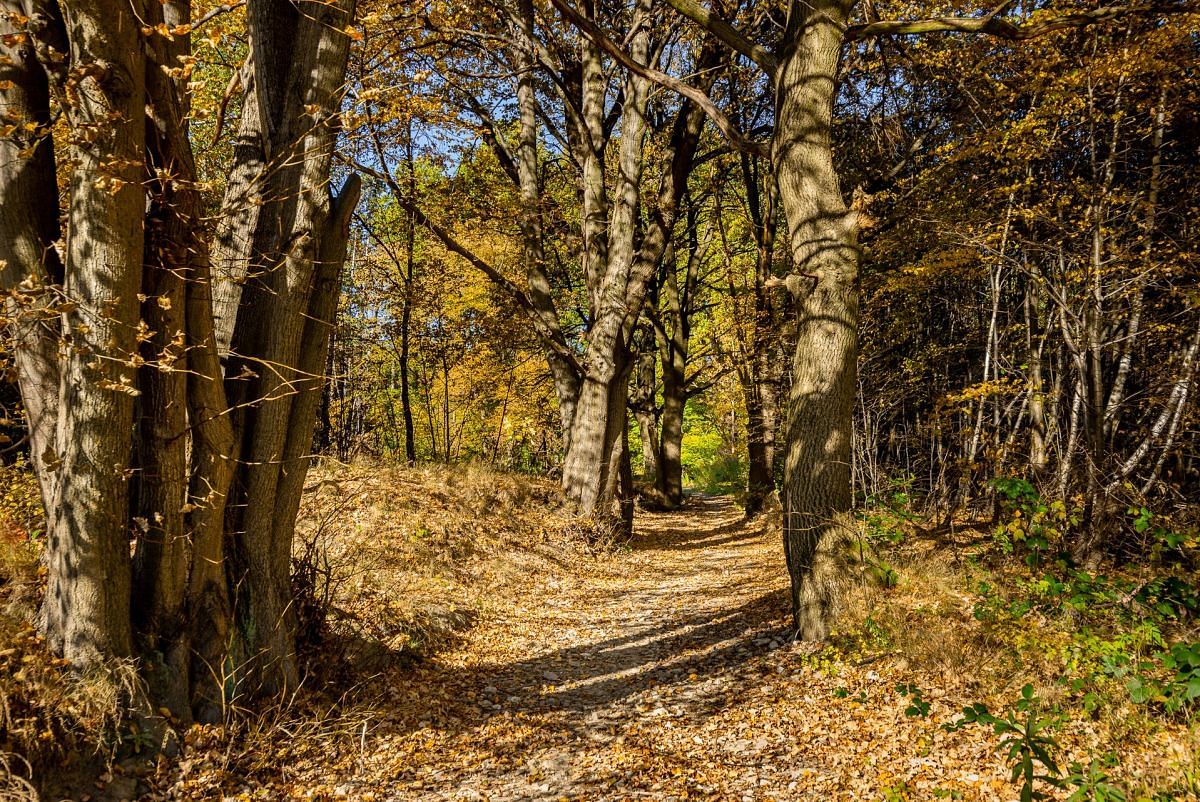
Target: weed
917,704
1025,740
1178,692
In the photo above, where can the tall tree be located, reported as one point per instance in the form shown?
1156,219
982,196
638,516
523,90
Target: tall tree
141,432
600,120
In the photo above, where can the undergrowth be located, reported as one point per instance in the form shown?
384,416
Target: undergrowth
52,720
1103,664
389,566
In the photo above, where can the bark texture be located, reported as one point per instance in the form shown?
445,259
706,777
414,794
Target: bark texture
129,404
822,233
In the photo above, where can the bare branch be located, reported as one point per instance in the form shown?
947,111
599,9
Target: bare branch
992,25
736,137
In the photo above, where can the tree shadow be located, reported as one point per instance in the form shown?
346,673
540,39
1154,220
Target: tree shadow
587,678
677,530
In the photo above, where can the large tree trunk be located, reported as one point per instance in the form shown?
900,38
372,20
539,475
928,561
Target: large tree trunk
823,238
589,469
160,471
87,551
133,432
298,56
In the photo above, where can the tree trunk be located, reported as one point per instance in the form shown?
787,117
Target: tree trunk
87,552
823,238
160,471
410,437
645,409
758,389
669,481
760,478
588,468
29,220
136,438
298,57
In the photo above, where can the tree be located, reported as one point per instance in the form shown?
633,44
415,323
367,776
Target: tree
1022,328
600,121
143,431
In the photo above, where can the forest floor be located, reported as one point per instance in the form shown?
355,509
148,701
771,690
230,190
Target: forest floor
665,670
662,669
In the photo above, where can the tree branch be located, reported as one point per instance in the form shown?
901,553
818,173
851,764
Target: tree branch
452,244
992,25
702,100
728,34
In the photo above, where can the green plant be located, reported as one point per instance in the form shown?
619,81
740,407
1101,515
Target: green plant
1178,693
1092,784
1033,525
883,515
1162,538
918,706
1024,738
844,693
994,608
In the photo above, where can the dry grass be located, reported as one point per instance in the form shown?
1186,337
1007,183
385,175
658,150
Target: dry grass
925,631
50,718
15,785
392,564
404,558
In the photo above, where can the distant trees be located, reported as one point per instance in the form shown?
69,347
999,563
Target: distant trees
562,105
170,467
574,137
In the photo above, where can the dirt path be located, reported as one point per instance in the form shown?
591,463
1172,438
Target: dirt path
555,698
664,672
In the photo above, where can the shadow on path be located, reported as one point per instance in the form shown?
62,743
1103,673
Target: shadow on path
686,616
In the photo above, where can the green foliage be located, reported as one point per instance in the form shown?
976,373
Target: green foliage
884,515
918,706
1177,692
1093,784
992,607
1025,740
1162,598
709,463
1034,526
1164,541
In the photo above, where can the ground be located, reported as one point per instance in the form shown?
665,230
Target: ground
483,646
664,671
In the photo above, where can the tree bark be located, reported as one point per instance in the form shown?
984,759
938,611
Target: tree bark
29,260
86,613
298,57
823,238
754,372
133,429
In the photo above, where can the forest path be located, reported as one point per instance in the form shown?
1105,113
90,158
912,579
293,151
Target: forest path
606,683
